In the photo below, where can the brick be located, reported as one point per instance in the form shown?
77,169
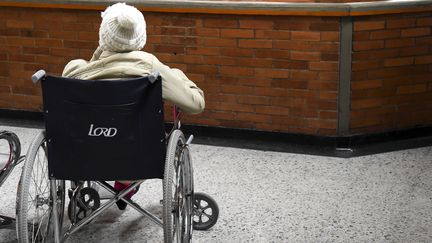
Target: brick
399,43
427,21
223,115
366,65
367,45
221,23
324,26
400,23
236,89
320,123
255,44
413,51
22,58
250,62
252,117
49,43
67,35
87,35
330,36
290,64
269,91
169,49
368,25
366,103
303,75
20,41
320,85
394,62
326,56
173,31
235,52
204,69
50,60
205,51
273,34
253,100
324,66
19,24
376,54
64,52
328,76
273,54
291,25
256,24
289,83
254,81
36,50
366,84
271,73
306,56
237,71
217,60
415,32
79,44
77,26
327,115
5,89
423,59
210,32
305,46
306,35
412,89
234,107
220,42
272,110
424,41
237,33
288,102
384,34
361,36
34,33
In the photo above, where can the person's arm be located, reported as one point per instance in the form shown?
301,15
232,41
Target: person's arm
178,89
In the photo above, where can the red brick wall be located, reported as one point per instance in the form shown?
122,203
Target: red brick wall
392,72
265,73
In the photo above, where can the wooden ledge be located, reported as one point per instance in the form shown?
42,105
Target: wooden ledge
240,7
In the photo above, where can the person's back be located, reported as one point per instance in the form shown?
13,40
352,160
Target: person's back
121,37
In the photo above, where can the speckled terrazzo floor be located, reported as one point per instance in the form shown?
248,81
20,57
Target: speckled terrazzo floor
281,197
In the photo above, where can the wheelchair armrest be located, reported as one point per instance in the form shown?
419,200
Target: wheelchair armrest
38,75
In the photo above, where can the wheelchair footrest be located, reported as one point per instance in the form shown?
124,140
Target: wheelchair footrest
7,222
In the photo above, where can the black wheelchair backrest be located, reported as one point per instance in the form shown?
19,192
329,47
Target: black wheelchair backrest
104,130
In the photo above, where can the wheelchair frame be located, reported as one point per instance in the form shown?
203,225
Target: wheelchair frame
179,206
14,159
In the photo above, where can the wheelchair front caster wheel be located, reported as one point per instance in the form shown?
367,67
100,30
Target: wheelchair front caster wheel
87,202
206,211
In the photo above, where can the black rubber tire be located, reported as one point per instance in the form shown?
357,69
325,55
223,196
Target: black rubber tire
203,219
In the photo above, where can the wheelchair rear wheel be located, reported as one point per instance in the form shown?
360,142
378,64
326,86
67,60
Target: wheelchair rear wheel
178,191
35,220
10,151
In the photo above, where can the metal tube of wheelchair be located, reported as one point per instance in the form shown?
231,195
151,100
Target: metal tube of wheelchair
55,210
189,141
98,211
132,204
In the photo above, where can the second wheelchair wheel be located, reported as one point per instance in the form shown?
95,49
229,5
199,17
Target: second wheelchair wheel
35,214
177,191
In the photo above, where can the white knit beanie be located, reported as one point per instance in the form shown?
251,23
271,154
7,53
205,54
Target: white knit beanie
123,28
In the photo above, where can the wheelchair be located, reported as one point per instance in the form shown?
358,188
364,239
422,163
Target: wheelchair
101,131
10,151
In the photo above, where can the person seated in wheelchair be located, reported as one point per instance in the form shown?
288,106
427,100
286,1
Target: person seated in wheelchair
122,35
